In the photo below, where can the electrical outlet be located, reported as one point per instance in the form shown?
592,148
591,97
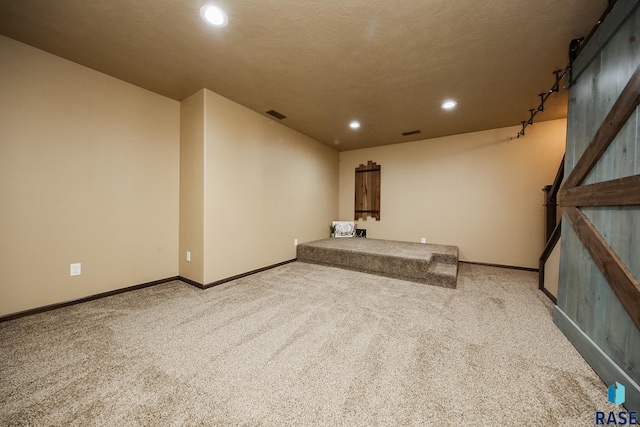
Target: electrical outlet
423,240
295,242
188,256
75,269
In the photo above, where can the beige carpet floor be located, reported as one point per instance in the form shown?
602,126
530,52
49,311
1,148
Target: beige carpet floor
301,345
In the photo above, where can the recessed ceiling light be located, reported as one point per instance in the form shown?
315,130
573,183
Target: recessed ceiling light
449,104
214,16
354,124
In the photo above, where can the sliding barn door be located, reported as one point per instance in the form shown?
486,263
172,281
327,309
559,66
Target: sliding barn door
599,293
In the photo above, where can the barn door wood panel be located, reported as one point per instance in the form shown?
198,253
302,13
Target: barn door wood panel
613,123
575,198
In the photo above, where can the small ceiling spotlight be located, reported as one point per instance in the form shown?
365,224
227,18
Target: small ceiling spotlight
214,16
449,104
354,124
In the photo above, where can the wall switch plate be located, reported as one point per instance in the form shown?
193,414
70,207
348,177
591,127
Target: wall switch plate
75,269
295,242
188,256
423,240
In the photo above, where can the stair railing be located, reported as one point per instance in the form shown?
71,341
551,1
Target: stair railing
552,227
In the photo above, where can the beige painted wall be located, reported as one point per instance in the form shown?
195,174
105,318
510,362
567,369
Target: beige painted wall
192,187
265,186
97,171
479,191
89,172
552,270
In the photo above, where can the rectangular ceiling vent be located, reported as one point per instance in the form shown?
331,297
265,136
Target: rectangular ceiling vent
411,132
277,115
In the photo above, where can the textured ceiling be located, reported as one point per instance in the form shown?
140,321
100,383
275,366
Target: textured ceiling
322,63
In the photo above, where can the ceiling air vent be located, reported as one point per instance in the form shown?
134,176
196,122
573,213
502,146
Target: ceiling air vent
411,132
277,115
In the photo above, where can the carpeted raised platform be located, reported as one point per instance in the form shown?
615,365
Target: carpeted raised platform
416,262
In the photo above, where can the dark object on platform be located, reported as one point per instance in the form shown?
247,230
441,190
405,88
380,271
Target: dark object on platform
361,232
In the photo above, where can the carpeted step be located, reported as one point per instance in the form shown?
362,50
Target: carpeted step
443,274
416,262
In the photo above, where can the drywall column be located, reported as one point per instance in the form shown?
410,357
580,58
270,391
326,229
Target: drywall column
249,186
192,125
